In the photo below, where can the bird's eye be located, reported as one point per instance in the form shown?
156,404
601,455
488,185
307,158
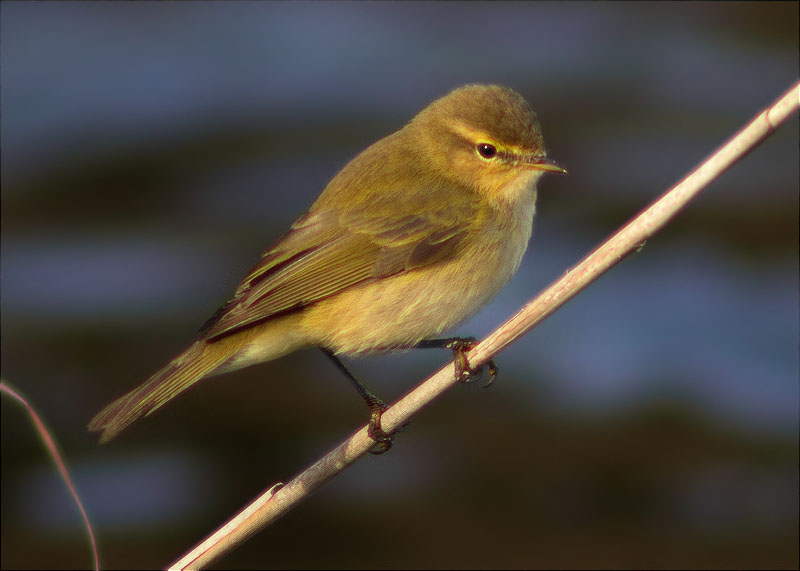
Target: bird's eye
486,150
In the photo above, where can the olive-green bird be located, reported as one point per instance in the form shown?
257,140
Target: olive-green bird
411,238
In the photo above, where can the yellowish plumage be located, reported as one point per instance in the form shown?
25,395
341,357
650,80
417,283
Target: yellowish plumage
412,237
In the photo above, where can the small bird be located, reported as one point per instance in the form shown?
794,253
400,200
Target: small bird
411,238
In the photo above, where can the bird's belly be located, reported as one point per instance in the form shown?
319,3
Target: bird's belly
399,311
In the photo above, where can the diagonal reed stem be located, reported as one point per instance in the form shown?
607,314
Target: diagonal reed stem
276,501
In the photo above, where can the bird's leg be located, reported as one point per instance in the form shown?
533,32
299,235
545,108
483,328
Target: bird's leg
382,439
464,373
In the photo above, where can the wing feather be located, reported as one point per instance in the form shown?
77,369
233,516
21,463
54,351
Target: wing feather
327,252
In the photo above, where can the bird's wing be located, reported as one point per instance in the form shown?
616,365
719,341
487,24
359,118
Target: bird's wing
328,251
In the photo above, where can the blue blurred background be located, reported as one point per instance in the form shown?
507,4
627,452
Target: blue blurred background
151,151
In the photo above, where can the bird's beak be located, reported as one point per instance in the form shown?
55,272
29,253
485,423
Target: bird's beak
544,164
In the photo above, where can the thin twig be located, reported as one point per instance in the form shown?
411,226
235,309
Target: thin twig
273,504
50,443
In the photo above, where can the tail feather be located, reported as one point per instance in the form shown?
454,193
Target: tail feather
197,362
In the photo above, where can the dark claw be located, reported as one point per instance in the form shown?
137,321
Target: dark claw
492,373
383,440
463,372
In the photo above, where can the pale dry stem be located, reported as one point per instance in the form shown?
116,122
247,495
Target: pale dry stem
272,504
52,449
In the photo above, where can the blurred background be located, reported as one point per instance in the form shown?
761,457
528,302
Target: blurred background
152,151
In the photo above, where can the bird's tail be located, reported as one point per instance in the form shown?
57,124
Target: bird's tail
198,361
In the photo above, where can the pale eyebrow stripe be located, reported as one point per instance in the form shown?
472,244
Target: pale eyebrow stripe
471,134
478,136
